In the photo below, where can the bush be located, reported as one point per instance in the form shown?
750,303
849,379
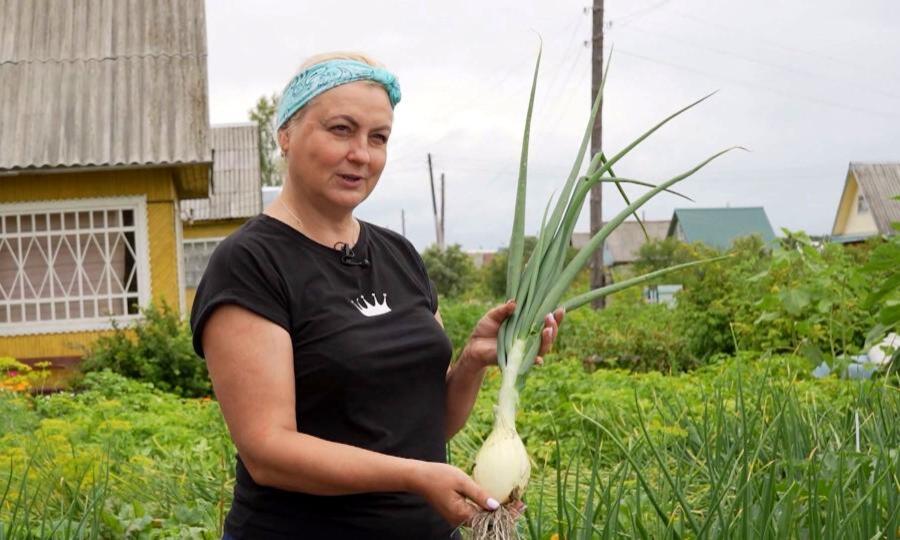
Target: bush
493,275
157,349
635,337
451,270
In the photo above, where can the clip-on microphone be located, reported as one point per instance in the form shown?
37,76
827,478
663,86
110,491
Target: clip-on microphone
348,257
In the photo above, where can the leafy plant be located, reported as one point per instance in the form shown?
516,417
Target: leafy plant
157,349
882,268
451,269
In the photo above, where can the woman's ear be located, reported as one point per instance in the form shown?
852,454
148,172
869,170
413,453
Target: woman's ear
284,140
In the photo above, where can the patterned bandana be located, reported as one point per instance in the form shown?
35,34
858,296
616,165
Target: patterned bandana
318,78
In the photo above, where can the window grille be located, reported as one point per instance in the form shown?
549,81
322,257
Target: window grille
196,257
71,265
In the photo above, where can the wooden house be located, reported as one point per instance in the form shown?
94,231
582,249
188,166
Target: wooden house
103,131
623,245
236,196
867,206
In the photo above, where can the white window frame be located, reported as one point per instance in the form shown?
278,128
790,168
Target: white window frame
862,205
138,204
203,240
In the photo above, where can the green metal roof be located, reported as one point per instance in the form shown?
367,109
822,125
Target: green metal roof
718,227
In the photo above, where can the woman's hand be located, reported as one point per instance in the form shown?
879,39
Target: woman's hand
482,345
455,496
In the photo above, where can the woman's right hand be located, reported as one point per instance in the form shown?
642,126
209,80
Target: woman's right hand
450,491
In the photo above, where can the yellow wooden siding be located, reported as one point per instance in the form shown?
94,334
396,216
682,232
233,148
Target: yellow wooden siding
157,185
849,221
163,254
211,229
189,294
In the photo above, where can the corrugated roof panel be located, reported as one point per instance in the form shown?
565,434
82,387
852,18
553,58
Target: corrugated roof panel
236,176
880,183
102,82
718,227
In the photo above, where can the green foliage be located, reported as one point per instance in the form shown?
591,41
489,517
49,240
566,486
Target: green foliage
628,336
156,349
493,275
750,447
884,298
451,269
263,113
494,272
658,254
747,436
118,459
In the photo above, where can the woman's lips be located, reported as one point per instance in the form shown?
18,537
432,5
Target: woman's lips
350,179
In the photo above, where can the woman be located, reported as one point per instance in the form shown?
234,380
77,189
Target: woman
324,342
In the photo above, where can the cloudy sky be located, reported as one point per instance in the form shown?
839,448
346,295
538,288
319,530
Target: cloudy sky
806,86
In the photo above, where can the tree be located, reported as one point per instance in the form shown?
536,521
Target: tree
494,272
264,116
451,270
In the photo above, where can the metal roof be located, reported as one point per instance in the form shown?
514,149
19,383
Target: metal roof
237,191
103,83
719,227
879,184
623,245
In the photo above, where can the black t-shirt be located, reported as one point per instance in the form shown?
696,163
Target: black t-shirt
369,364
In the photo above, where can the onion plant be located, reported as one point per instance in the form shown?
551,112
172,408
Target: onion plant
502,466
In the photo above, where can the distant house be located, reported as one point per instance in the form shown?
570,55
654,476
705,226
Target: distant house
103,131
719,227
623,245
866,207
481,257
235,197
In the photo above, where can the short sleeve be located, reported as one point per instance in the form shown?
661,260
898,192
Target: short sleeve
242,274
432,289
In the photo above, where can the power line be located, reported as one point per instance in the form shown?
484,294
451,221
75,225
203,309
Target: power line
790,95
764,63
731,29
625,20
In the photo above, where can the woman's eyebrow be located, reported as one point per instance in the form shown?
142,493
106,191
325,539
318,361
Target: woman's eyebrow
350,120
346,117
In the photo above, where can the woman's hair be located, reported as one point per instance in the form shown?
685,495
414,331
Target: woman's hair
324,57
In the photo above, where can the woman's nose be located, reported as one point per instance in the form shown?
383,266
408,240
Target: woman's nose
359,150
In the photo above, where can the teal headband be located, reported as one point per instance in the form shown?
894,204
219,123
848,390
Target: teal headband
318,78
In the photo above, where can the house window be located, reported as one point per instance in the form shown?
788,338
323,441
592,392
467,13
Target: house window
196,257
862,206
72,265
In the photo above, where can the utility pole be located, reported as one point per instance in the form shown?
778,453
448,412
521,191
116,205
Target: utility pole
598,276
438,218
403,222
443,207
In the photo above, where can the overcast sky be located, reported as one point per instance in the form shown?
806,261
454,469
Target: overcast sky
807,86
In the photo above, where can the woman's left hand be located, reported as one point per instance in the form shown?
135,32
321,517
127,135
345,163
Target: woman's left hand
482,345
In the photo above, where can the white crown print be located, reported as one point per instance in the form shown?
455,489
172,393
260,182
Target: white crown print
371,310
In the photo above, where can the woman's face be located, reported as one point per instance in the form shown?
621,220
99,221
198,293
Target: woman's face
337,149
